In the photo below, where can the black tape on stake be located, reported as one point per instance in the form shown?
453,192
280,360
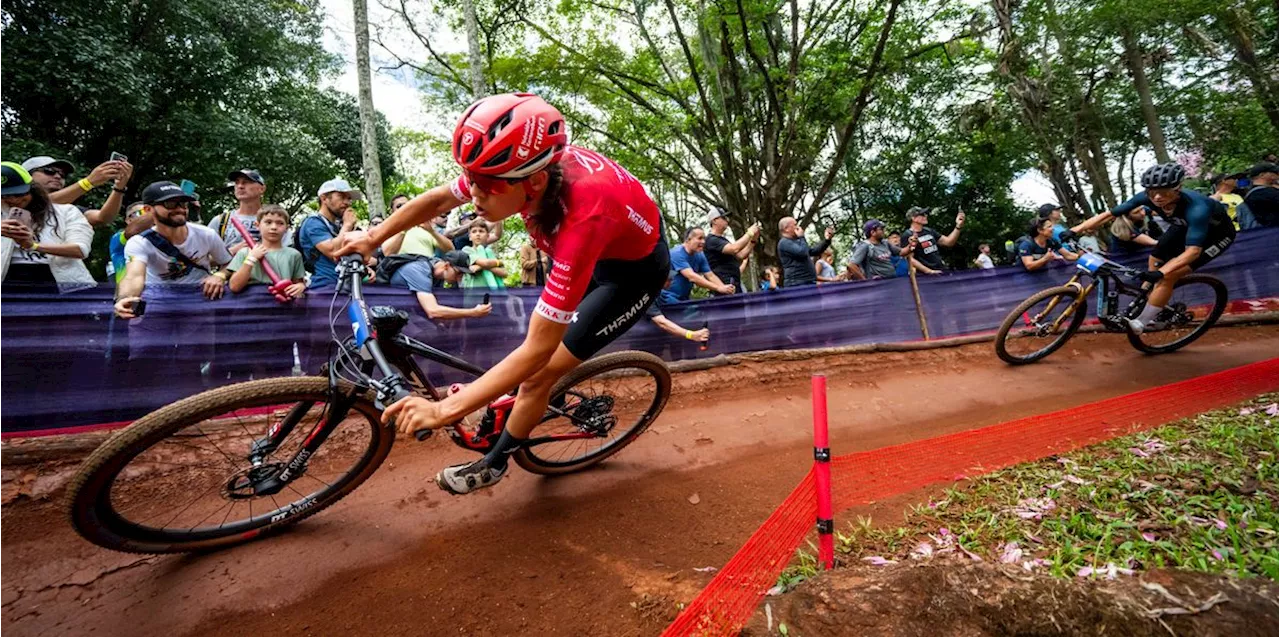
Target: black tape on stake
822,454
826,526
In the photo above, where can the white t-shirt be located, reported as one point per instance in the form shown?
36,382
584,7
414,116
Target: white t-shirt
47,235
985,262
203,246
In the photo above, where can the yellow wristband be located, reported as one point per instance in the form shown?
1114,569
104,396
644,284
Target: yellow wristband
85,184
35,246
688,334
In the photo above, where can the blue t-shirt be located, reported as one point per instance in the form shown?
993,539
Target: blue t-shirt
1194,210
1029,248
316,229
680,286
115,269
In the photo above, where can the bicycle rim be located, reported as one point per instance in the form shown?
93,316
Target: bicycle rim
1197,303
182,480
615,397
1040,325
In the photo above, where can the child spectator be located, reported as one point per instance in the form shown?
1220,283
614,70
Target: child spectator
769,283
273,223
984,257
486,270
136,220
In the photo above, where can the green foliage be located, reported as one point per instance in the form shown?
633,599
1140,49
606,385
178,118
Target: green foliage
188,90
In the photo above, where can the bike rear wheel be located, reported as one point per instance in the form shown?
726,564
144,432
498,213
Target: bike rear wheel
179,479
1197,303
616,396
1040,325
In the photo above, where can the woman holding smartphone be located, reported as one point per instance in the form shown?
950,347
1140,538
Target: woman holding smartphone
43,244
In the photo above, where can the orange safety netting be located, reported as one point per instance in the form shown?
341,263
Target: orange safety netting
724,606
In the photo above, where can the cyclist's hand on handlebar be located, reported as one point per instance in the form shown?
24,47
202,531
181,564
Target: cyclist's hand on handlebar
357,242
1067,235
413,413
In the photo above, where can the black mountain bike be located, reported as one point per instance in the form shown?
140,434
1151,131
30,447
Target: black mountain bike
234,463
1044,322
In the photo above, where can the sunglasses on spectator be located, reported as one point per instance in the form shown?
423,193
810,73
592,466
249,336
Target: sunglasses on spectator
492,185
172,204
51,171
140,212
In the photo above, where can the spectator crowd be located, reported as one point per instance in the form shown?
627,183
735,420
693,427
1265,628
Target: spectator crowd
162,239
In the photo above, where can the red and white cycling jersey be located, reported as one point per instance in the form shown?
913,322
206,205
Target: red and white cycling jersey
608,216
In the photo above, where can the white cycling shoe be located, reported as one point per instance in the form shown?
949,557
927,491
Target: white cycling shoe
473,476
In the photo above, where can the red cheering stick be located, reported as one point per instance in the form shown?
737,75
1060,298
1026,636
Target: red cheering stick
278,284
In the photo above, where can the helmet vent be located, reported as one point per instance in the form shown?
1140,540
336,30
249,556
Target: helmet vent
499,159
475,151
500,124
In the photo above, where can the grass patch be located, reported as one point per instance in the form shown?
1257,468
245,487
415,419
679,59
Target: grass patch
1200,494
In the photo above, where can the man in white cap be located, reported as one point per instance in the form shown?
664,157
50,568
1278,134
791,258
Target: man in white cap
51,174
320,235
726,257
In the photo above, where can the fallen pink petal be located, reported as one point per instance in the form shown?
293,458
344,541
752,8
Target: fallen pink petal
1085,572
1074,480
876,560
1010,553
1245,411
1220,524
1273,409
923,549
1150,537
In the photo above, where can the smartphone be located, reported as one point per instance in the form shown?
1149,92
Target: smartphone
139,307
118,157
486,299
20,214
188,186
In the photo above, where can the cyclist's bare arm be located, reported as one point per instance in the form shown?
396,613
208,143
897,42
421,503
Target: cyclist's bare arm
428,205
539,344
1093,222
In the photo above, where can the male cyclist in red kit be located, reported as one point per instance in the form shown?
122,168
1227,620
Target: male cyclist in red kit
600,227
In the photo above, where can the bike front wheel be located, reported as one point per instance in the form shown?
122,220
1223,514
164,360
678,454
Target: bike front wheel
603,406
1197,303
1040,325
180,479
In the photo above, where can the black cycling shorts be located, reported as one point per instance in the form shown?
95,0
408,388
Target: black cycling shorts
616,299
1222,233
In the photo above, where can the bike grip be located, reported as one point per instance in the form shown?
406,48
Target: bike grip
422,434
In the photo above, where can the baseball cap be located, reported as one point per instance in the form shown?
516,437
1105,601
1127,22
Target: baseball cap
247,173
715,213
915,211
14,179
1047,209
339,185
1262,167
44,161
871,225
455,258
164,191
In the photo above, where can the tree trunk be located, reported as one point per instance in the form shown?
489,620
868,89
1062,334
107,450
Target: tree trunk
476,70
1137,68
368,125
1264,83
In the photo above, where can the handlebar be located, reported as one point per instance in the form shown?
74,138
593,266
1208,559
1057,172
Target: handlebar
393,387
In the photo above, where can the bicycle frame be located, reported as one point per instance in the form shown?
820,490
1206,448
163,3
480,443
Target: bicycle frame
1104,276
392,354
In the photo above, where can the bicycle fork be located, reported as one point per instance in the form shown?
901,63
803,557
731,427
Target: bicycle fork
272,482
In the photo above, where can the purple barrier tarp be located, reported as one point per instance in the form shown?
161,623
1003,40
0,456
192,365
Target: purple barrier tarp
68,362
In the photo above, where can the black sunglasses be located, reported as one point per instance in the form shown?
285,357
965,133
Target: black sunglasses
48,170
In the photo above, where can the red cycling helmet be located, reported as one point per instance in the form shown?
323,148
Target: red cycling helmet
510,136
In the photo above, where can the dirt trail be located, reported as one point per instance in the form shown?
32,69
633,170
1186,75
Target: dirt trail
607,552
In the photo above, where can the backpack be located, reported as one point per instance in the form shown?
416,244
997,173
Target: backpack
309,257
1245,218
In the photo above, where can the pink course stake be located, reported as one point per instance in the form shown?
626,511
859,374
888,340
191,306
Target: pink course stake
822,474
278,285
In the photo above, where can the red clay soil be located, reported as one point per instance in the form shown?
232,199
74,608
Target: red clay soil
965,599
607,552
